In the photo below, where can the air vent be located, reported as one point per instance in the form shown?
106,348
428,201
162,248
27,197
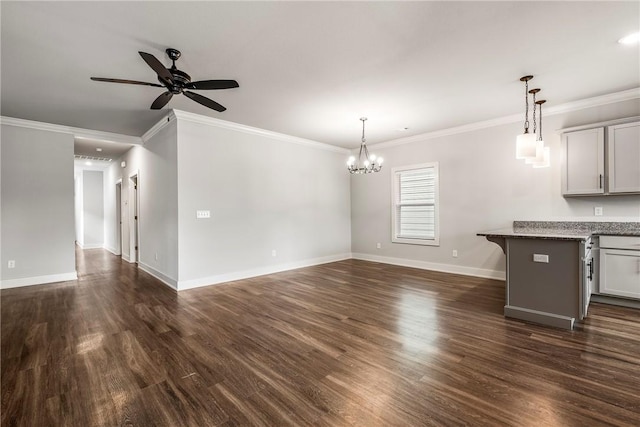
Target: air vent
92,158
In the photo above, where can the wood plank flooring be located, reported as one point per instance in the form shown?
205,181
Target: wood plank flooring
349,343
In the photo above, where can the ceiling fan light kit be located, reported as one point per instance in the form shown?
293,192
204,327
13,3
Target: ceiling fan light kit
176,82
365,163
530,146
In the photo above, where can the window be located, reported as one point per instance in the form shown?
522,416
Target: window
415,204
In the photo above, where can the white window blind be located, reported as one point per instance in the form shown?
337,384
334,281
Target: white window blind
415,218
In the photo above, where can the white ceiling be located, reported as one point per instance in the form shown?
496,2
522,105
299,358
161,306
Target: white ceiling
312,69
108,150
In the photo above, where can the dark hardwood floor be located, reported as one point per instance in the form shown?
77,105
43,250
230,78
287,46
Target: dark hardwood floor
346,343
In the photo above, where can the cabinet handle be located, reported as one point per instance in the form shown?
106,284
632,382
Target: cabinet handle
600,181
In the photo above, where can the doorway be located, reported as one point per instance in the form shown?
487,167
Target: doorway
133,218
119,217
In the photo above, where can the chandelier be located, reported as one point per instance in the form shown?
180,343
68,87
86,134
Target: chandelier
366,163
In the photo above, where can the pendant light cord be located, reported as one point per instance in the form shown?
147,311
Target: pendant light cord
526,103
534,113
540,127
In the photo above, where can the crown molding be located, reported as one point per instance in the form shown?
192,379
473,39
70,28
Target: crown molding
601,124
625,95
164,122
94,135
223,124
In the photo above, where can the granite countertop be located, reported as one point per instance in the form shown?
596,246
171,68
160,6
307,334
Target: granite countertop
564,230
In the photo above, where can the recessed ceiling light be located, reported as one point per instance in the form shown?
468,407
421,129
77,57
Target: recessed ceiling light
630,39
98,149
88,163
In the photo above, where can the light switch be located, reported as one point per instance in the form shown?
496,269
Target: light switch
203,214
540,258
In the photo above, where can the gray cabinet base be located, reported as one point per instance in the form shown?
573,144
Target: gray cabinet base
541,317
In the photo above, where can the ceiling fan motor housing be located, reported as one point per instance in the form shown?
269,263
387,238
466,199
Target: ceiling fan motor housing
180,80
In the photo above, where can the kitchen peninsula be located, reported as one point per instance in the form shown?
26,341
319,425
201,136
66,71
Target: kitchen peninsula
551,272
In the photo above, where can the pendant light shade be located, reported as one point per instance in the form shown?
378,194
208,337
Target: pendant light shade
543,154
526,142
538,145
525,146
545,161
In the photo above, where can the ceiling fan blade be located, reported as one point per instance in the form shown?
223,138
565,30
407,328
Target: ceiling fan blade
157,66
161,101
204,101
131,82
213,84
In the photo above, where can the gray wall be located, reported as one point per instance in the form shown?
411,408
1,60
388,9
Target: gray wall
37,203
77,183
92,209
156,164
111,231
482,187
264,193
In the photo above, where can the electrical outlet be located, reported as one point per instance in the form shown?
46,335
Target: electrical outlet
454,253
274,253
11,263
378,245
597,211
540,258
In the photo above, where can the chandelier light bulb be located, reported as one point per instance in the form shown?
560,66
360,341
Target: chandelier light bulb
380,160
372,158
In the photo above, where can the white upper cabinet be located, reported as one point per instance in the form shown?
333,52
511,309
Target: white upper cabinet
583,162
594,165
623,152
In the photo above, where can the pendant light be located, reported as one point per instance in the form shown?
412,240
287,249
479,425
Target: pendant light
539,143
526,142
365,163
543,154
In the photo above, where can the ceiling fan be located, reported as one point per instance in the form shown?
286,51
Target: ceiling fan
176,82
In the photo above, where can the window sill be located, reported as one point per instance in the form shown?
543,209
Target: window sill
422,242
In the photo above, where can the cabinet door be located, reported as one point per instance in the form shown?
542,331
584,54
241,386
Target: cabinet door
620,272
583,163
623,149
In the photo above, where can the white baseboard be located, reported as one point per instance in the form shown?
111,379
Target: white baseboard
172,283
424,265
38,280
254,272
126,258
91,246
112,250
